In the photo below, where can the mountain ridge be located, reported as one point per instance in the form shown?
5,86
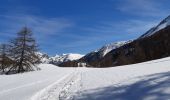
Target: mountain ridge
154,44
57,59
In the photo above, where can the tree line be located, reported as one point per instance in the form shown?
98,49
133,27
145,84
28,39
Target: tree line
19,55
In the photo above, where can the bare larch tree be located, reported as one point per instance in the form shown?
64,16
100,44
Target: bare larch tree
5,61
23,51
2,57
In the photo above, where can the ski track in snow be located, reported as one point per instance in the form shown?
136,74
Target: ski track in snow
23,86
62,89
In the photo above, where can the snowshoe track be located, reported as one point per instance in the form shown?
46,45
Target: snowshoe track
62,89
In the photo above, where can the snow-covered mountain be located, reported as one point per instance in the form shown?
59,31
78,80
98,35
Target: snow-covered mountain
107,48
44,58
64,58
161,25
94,57
154,44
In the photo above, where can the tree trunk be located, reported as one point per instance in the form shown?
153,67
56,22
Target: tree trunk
20,69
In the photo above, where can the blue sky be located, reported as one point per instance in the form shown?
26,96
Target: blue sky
80,26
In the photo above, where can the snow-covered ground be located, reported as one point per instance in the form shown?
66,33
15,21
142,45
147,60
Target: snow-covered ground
144,81
24,86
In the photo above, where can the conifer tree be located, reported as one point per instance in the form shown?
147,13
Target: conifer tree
2,57
23,51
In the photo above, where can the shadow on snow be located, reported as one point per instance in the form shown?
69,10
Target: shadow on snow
151,87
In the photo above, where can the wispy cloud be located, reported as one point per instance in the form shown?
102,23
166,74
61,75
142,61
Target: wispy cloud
136,26
39,24
105,32
42,27
152,8
79,33
131,26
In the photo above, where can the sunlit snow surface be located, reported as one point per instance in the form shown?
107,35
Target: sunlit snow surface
144,81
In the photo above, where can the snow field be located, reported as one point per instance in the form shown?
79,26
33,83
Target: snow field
143,81
24,86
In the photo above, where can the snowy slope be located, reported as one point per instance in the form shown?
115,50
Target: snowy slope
23,86
144,81
161,25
